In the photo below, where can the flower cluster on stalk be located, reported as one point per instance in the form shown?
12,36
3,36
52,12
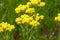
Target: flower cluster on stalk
58,17
29,14
4,26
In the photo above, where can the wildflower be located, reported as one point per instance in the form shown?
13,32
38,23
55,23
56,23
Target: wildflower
58,14
30,10
1,29
37,17
34,23
10,27
17,10
25,18
20,8
28,4
41,17
41,4
30,18
4,25
56,18
34,2
18,20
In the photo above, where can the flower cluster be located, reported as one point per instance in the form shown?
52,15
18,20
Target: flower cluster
38,3
29,15
31,20
27,6
4,26
58,17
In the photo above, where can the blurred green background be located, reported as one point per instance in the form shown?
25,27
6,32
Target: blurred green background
51,9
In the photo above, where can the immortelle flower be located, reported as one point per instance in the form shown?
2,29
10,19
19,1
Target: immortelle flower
30,10
28,4
34,23
57,18
34,2
20,8
1,29
5,26
41,17
10,27
18,20
37,17
58,14
25,18
41,4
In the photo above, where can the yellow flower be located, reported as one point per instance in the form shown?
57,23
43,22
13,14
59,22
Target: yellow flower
25,16
41,17
17,10
58,14
4,25
20,8
34,23
41,4
18,20
25,20
30,10
1,29
30,18
35,1
37,17
10,27
56,18
28,4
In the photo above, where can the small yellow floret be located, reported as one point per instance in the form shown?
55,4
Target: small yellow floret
30,10
41,4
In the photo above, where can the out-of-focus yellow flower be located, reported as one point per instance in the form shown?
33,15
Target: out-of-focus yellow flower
58,14
25,20
41,4
5,26
30,10
10,27
57,18
30,18
20,8
35,1
17,10
1,29
28,4
37,17
34,23
24,16
23,7
41,17
18,20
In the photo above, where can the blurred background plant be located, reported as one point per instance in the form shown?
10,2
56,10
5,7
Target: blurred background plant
49,29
